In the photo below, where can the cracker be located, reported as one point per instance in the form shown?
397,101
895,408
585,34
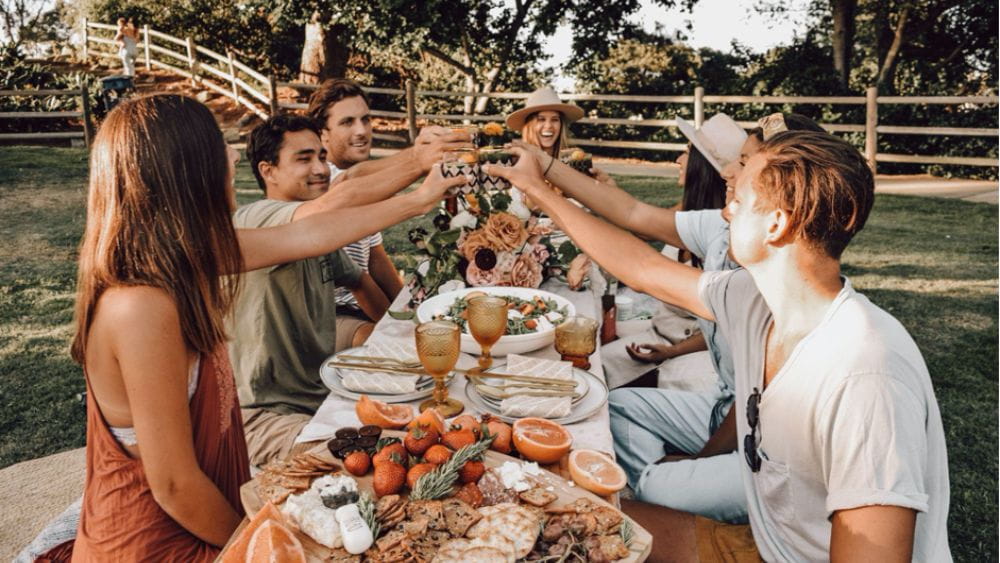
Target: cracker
538,496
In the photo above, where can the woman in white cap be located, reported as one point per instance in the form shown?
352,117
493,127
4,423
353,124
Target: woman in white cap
544,120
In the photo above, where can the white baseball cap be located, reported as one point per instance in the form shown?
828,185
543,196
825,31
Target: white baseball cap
719,140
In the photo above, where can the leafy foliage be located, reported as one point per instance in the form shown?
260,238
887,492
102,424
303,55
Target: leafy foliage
16,73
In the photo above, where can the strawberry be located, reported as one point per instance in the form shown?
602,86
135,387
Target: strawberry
416,472
419,439
457,438
389,478
437,454
357,463
471,471
394,448
467,422
500,429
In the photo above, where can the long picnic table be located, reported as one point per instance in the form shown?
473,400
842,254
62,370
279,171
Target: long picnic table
591,433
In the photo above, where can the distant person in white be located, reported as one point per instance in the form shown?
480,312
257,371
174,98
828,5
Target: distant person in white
127,38
836,419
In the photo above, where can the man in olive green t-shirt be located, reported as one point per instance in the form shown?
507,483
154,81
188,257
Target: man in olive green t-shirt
284,324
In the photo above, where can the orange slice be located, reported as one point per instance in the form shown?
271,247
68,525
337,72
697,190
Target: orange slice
274,543
596,472
430,418
236,553
382,414
541,440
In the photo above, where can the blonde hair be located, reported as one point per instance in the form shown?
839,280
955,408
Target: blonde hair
530,136
158,214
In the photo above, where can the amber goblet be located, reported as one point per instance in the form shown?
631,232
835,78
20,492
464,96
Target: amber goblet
487,323
438,347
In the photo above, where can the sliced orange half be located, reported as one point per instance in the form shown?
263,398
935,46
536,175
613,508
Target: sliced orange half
370,411
596,472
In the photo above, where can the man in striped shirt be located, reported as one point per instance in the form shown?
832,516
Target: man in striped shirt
341,109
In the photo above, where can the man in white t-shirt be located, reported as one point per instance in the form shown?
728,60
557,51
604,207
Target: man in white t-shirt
836,419
341,109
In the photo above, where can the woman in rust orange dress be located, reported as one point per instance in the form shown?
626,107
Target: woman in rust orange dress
166,454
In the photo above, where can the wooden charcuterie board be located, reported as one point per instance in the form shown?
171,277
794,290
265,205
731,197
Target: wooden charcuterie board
567,492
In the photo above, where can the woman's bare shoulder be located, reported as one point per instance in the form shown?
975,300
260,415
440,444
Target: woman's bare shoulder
131,307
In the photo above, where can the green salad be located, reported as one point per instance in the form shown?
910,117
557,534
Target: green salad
528,316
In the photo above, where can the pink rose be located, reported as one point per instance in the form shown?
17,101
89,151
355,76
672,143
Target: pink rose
479,278
527,272
540,253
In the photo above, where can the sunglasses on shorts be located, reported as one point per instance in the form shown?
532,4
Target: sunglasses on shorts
750,441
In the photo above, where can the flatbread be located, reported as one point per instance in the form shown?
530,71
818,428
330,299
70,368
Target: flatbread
513,521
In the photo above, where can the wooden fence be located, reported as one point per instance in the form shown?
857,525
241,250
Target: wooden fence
83,114
259,93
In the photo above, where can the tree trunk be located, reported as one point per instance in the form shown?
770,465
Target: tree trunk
844,12
887,72
488,86
324,53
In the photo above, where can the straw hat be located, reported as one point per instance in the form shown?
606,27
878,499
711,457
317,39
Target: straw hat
543,99
719,139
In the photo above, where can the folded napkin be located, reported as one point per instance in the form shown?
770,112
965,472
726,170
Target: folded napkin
544,407
383,383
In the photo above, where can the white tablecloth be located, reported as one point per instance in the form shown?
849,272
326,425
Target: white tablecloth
593,433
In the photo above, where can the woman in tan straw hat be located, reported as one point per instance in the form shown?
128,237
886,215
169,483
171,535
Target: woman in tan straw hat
544,119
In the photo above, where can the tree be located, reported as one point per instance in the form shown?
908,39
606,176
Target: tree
28,21
485,41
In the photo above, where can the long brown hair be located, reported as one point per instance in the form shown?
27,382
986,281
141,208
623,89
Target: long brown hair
530,136
158,214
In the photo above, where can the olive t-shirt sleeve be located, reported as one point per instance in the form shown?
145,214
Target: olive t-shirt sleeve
265,213
347,273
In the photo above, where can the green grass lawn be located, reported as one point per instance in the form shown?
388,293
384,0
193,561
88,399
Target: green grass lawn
930,262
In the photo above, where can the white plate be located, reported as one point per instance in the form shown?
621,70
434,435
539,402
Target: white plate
508,344
331,376
579,375
592,402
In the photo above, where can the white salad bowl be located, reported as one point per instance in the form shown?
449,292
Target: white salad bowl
508,344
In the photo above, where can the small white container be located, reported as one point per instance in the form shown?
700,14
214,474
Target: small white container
624,305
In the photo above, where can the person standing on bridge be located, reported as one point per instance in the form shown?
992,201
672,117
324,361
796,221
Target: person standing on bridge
127,38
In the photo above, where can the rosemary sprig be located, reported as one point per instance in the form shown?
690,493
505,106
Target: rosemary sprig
366,506
438,483
627,532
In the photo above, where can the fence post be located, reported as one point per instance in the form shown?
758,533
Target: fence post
88,131
699,106
871,125
272,89
86,41
411,110
145,34
232,75
192,60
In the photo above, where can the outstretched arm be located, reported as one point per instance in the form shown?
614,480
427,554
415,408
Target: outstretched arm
327,231
410,163
628,258
383,178
608,200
